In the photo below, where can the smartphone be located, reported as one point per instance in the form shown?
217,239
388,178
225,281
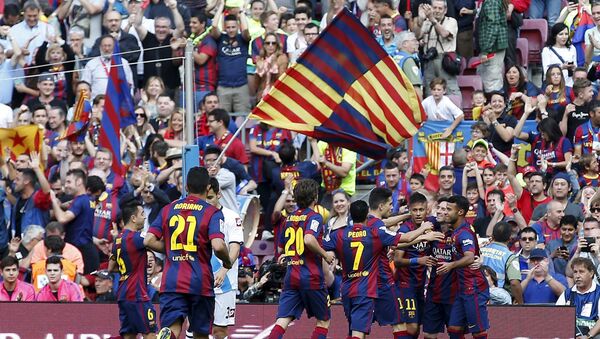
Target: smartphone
590,241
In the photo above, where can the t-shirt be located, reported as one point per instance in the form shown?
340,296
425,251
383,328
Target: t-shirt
232,54
412,276
526,204
445,110
341,155
105,214
501,145
270,140
386,277
188,225
545,232
469,281
79,230
442,288
359,249
131,258
205,76
575,119
233,231
584,137
571,208
304,267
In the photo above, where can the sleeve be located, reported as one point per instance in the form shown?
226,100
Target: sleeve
330,243
138,241
513,269
538,230
214,226
452,28
208,47
466,242
156,227
235,229
314,225
562,301
567,146
578,136
348,156
76,206
387,237
587,36
538,212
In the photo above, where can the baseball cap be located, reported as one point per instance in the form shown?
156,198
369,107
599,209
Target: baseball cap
480,142
562,175
538,253
103,274
45,77
529,170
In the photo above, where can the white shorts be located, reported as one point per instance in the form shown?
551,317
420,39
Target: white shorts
225,309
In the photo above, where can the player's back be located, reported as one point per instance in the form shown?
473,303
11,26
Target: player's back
470,281
131,260
359,248
386,277
305,268
187,226
412,276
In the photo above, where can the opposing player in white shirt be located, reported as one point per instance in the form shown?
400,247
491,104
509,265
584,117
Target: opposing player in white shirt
225,280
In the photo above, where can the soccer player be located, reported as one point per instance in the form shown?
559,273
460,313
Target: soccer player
388,303
129,258
411,267
360,248
226,280
189,227
304,283
469,311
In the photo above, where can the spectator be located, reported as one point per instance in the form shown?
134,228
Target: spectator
153,89
387,39
173,134
501,124
400,192
271,63
225,177
577,112
527,242
143,127
104,286
46,88
584,290
518,89
205,57
69,252
165,107
592,36
437,33
54,247
218,122
13,289
86,14
446,181
493,41
588,246
30,205
408,46
30,33
541,287
232,56
440,108
296,42
548,228
560,187
560,250
153,199
498,296
559,51
386,7
166,9
58,289
465,17
587,133
338,167
8,65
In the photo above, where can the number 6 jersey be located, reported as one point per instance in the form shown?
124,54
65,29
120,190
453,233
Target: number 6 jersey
187,227
130,255
305,268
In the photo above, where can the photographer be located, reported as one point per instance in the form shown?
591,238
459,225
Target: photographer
268,287
437,34
588,246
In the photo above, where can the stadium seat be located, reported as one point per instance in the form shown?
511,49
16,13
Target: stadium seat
522,52
535,31
456,99
467,85
471,67
261,249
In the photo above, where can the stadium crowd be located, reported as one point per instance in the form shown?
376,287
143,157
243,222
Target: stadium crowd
65,211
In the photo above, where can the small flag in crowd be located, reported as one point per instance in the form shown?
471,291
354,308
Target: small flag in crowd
579,25
21,139
81,116
345,90
118,110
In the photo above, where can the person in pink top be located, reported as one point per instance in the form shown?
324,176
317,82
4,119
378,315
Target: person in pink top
12,289
57,288
70,252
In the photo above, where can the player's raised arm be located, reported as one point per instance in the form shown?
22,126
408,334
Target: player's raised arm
153,243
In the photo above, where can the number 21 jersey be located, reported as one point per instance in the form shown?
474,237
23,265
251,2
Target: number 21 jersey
187,227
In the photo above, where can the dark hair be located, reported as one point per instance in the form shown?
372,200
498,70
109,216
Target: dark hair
384,16
418,176
94,184
520,83
55,244
9,261
199,15
557,28
197,180
29,175
442,199
210,94
585,262
378,196
54,260
55,226
497,192
287,153
551,128
417,198
265,15
591,219
161,148
500,167
220,115
214,184
446,168
502,232
491,273
212,149
149,141
306,192
461,202
78,174
230,17
527,229
384,2
303,10
312,25
31,5
285,17
129,210
472,185
569,219
359,211
11,10
107,36
307,3
390,166
580,84
97,99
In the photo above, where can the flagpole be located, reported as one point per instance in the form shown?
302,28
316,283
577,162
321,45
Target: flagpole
233,138
189,92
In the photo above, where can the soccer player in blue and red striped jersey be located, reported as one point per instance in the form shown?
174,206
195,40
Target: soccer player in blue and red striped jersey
304,287
469,311
136,312
190,228
442,289
387,304
411,266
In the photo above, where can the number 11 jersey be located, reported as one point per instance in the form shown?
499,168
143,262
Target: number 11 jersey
305,268
187,227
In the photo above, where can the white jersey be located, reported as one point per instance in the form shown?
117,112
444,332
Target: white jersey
234,233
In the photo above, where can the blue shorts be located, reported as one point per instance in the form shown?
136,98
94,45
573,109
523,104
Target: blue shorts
470,312
436,317
137,317
315,302
387,311
411,304
359,311
198,309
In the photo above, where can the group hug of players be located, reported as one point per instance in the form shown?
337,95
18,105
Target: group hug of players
436,283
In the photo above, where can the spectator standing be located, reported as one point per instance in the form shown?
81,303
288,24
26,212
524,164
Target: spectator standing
69,252
225,178
586,248
387,39
58,289
437,32
592,36
551,7
218,121
296,42
13,289
152,200
493,42
465,16
338,166
548,228
232,55
54,246
205,57
577,112
30,33
46,87
560,51
440,108
386,8
586,135
85,14
408,47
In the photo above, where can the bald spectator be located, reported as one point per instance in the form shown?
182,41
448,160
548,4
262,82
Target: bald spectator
548,228
560,188
408,46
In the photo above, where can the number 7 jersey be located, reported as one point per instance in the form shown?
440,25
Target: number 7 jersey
187,227
305,268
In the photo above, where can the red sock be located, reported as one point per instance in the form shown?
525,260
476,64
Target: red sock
482,335
402,335
319,333
277,332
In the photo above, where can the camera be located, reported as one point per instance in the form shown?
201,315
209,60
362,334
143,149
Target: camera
590,241
272,289
430,54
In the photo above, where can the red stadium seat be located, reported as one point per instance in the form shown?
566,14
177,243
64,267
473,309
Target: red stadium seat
522,52
261,249
467,85
535,31
471,67
456,99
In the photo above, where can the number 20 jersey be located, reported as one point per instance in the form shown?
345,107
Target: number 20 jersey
305,268
187,226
